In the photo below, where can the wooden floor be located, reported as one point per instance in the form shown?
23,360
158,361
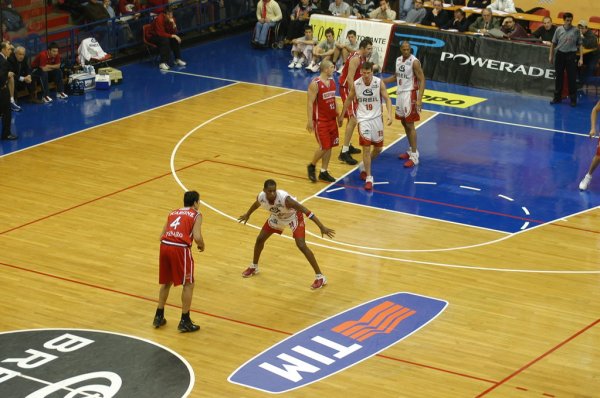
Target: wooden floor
79,245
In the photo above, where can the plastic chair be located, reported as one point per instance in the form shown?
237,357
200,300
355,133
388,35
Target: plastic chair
147,44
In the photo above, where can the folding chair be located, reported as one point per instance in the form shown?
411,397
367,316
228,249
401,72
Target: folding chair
149,45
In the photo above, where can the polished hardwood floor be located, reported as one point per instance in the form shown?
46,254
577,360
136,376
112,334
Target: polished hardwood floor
79,245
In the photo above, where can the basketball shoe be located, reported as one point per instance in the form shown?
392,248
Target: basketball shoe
319,282
250,271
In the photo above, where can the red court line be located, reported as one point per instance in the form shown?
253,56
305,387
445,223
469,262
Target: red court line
524,367
98,198
82,283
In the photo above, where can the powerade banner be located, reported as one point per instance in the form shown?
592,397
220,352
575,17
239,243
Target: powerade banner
379,32
338,342
472,60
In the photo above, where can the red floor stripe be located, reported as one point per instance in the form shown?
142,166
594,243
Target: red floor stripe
520,370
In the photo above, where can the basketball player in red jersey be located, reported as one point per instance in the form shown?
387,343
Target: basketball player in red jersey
322,120
409,96
350,73
285,211
176,264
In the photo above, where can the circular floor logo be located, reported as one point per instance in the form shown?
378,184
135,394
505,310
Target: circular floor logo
76,363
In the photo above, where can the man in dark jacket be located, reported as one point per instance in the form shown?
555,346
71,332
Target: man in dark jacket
5,76
19,65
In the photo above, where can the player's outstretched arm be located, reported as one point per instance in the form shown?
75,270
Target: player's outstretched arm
246,216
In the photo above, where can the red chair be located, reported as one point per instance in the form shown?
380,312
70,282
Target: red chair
148,44
533,26
561,14
595,20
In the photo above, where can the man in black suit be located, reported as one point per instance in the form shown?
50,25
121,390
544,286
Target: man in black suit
5,75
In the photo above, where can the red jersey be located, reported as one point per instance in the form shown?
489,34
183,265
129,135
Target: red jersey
180,224
345,70
43,59
324,109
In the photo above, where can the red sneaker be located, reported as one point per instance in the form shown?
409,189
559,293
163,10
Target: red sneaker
363,175
319,282
368,185
250,271
404,156
409,163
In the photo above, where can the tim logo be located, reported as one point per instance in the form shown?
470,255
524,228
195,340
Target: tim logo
338,342
419,41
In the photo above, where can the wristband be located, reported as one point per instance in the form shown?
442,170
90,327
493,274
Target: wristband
310,215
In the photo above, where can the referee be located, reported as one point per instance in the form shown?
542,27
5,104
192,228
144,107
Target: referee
5,75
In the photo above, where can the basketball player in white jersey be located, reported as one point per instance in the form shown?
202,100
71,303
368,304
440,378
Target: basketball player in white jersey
369,91
285,211
409,96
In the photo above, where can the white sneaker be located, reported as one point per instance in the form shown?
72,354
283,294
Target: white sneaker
413,160
292,64
163,66
62,96
585,183
298,65
316,67
180,62
46,99
310,66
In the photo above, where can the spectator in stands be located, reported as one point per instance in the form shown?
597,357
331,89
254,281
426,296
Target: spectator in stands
324,50
345,48
417,14
566,42
404,7
485,22
299,18
19,65
302,48
362,8
511,29
590,59
503,6
545,32
94,11
437,16
268,13
340,8
383,11
46,67
163,33
479,3
459,22
128,35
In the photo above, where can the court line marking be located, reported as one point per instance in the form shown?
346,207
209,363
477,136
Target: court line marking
118,120
328,246
223,318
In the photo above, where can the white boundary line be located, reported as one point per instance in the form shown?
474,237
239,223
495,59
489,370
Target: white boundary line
328,246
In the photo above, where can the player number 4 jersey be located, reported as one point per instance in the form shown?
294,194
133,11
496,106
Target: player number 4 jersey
180,224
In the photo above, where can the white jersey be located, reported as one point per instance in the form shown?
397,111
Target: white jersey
405,75
281,214
368,98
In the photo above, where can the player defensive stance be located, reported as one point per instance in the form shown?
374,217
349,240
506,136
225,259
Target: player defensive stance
285,211
176,264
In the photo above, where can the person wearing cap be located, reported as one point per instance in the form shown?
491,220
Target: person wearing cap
563,54
590,59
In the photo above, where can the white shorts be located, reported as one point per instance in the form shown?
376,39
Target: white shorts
406,106
371,132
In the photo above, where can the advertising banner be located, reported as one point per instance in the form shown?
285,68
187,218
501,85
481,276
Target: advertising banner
477,61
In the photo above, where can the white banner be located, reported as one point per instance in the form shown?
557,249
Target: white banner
379,32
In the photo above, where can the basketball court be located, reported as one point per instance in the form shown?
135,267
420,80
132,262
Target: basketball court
483,259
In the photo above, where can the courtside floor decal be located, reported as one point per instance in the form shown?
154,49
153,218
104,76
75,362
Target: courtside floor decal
338,342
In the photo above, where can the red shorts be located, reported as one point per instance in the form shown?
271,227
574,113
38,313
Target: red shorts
327,134
297,226
175,265
351,111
